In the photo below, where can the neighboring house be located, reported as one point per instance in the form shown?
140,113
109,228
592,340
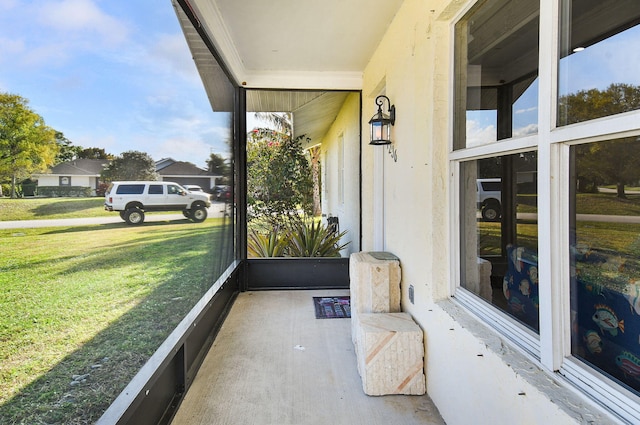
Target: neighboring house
183,172
86,173
79,173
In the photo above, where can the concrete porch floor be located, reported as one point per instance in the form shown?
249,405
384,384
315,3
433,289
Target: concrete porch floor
273,362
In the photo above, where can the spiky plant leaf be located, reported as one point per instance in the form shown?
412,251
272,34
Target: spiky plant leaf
270,244
313,239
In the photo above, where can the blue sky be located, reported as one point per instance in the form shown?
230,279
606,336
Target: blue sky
111,74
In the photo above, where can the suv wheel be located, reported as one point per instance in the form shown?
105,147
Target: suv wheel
134,216
491,212
123,215
198,214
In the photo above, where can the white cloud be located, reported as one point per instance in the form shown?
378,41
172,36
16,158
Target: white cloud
170,54
524,111
477,135
525,131
183,149
82,17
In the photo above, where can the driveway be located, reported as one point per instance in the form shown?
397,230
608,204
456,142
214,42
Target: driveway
216,210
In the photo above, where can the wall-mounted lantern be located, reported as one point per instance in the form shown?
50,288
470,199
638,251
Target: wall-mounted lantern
381,123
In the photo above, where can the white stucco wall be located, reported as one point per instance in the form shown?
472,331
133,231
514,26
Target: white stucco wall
48,180
345,206
84,181
473,374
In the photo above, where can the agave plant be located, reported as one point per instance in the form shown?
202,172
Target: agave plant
270,244
313,239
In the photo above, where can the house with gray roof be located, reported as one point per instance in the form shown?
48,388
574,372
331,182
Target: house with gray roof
183,172
86,173
78,172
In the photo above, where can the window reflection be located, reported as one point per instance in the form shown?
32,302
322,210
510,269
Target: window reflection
599,61
605,251
499,233
496,81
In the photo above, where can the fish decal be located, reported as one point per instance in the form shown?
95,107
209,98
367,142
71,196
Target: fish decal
505,287
516,305
629,364
593,342
533,274
607,320
632,295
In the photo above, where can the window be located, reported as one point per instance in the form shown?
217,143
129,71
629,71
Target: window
130,189
155,189
65,181
499,233
598,68
496,73
548,193
605,257
497,96
172,189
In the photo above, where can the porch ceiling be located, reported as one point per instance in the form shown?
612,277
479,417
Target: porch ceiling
292,44
295,54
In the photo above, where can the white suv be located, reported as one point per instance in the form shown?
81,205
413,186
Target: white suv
133,198
489,194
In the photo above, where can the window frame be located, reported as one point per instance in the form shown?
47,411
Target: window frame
551,349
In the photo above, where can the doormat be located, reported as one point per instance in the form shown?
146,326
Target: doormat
332,307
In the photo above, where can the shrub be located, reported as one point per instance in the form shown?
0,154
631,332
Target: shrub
298,238
269,244
64,191
313,239
102,189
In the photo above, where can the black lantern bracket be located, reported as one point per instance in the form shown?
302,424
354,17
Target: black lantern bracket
381,124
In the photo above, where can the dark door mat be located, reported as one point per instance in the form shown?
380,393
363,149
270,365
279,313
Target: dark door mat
332,307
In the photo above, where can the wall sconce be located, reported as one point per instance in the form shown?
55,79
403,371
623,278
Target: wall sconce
381,123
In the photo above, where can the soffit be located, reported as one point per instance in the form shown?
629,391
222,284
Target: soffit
295,44
313,111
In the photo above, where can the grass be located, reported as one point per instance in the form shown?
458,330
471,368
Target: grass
51,208
607,203
85,307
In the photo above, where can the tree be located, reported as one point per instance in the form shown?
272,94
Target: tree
314,156
278,174
612,162
67,152
593,103
94,153
27,144
217,164
131,165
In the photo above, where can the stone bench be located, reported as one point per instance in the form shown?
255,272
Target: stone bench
390,354
389,344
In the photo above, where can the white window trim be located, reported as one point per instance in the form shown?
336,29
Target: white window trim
552,347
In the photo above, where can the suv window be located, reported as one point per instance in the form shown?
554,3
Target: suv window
155,189
130,189
491,186
173,189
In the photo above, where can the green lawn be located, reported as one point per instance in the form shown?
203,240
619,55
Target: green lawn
607,203
92,303
47,208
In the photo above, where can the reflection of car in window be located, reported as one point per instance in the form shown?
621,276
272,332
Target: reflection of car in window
488,198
